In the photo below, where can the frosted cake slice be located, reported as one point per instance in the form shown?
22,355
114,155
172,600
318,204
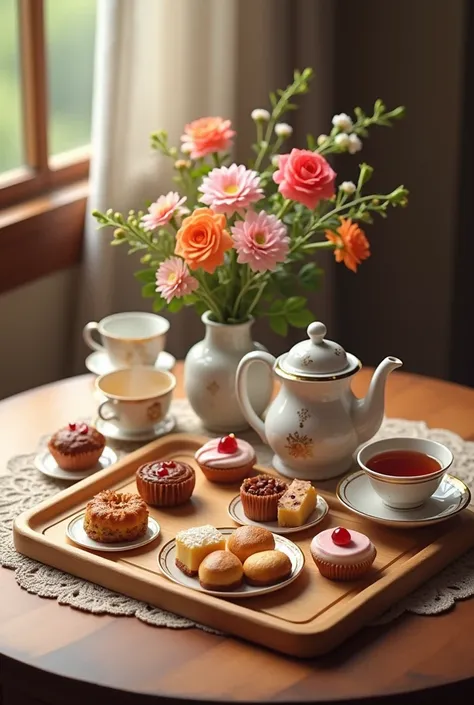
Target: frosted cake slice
193,545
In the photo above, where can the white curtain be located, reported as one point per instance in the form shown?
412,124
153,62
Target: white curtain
160,64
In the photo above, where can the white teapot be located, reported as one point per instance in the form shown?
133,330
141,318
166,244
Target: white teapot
315,423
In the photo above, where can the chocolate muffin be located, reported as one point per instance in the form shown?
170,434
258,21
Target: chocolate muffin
165,483
77,446
260,497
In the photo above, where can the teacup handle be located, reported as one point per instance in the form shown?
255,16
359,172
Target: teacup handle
89,328
102,407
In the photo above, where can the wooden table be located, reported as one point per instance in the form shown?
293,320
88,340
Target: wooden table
53,654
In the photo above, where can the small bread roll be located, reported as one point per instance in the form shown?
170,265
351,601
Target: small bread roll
267,568
247,540
221,570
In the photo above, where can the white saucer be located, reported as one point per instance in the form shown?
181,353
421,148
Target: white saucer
98,362
111,430
45,463
167,557
75,532
236,512
356,493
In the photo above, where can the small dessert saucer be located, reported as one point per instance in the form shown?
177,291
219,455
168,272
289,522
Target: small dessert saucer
167,557
45,463
356,493
98,362
112,430
75,532
236,512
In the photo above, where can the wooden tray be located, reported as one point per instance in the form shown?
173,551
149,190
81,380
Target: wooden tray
307,618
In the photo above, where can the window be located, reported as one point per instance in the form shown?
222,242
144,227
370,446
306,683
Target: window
46,79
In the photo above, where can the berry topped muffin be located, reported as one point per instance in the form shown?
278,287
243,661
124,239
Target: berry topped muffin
77,446
165,483
260,495
226,460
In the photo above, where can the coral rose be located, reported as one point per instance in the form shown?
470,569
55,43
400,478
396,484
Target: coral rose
202,240
206,135
304,176
351,244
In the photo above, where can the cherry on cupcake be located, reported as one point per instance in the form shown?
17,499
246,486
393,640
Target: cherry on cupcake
341,536
227,444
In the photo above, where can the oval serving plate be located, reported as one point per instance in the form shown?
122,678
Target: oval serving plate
166,562
45,463
75,532
236,512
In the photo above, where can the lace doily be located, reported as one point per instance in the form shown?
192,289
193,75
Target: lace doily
22,486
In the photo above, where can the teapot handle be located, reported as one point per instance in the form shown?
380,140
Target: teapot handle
241,387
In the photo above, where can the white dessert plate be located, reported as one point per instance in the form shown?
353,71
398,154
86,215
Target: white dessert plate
167,556
99,363
75,532
45,463
356,493
236,512
112,430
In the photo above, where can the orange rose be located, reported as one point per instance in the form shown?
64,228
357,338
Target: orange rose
202,240
351,244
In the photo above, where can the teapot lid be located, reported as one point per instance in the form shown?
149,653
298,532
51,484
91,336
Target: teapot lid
317,358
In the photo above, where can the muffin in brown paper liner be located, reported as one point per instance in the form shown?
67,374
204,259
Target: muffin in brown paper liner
77,446
165,483
260,495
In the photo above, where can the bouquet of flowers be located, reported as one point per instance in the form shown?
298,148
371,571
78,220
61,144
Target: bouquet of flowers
242,240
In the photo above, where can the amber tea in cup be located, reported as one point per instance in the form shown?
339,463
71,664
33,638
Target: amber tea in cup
403,463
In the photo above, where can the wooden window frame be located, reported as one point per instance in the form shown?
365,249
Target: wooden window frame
42,204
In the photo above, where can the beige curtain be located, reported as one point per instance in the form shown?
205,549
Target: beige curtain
162,63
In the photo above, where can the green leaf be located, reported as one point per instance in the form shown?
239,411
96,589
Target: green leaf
279,325
276,307
310,276
311,142
175,305
146,275
202,170
200,307
190,299
158,304
300,319
149,290
294,303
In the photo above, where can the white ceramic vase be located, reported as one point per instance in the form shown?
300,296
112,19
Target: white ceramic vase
209,376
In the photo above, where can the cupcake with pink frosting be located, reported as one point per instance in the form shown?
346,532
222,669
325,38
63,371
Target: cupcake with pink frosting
341,554
226,460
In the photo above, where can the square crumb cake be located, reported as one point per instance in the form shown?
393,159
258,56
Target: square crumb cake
193,545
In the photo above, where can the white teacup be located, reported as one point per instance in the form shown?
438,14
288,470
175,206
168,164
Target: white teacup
411,491
131,338
138,398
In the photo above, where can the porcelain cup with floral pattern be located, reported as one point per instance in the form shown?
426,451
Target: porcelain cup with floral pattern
137,398
130,338
414,490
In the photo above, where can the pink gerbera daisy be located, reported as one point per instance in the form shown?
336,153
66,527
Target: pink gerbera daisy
228,189
173,279
161,211
261,241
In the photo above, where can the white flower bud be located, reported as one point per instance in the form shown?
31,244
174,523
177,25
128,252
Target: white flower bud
342,140
355,145
276,160
343,122
260,115
321,140
186,148
282,129
348,187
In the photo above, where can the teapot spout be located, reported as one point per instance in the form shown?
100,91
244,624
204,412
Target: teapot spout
368,413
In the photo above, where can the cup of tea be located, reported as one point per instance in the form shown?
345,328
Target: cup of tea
137,398
405,472
132,338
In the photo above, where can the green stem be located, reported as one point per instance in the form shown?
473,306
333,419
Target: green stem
257,297
210,299
285,205
216,159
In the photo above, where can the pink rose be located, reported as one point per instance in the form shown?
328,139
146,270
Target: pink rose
304,176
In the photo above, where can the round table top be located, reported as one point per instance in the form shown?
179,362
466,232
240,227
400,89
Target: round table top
136,660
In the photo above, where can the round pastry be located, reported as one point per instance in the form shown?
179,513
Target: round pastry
112,517
341,554
226,460
267,568
77,446
260,497
247,540
220,570
165,483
